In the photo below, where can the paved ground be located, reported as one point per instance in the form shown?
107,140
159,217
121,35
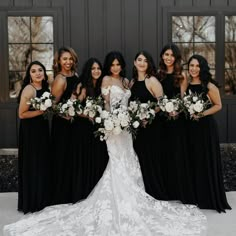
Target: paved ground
218,224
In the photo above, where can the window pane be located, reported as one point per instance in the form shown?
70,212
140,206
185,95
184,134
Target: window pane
230,55
44,54
182,28
230,29
204,28
42,29
19,56
19,29
207,50
230,82
186,51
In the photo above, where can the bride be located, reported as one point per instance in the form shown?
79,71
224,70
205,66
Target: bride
118,205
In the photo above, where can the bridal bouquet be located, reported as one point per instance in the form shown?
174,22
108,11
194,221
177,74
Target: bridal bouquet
69,109
194,104
170,107
140,112
112,122
43,103
93,106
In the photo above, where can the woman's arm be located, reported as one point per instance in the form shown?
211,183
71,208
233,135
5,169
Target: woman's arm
24,112
58,87
105,87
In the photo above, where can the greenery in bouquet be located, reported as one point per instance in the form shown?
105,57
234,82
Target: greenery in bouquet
194,104
43,103
69,109
170,107
93,106
112,122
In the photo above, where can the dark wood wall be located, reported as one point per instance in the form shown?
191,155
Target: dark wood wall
94,27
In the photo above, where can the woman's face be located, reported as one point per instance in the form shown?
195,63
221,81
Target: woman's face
115,68
66,61
168,58
96,71
194,68
141,63
36,73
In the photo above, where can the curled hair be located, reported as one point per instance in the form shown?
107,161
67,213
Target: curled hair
151,70
87,79
110,57
177,72
27,79
56,61
204,75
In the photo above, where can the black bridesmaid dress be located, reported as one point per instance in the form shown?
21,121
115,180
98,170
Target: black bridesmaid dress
205,157
62,163
33,163
148,149
175,158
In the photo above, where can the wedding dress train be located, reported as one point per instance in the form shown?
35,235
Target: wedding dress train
118,205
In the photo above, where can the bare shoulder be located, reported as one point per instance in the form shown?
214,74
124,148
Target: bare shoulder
28,91
212,87
154,80
131,83
106,81
126,82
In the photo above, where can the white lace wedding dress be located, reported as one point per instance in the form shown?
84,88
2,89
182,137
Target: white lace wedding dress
118,205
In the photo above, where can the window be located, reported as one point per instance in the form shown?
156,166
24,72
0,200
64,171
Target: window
195,35
230,55
29,38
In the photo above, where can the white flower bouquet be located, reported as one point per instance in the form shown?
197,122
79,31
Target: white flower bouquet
69,109
170,107
112,122
43,103
194,104
93,107
139,113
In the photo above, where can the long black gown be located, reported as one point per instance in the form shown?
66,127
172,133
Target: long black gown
175,161
62,163
205,157
148,149
89,156
33,163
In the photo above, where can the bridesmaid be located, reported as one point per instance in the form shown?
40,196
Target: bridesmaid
203,139
89,154
145,87
33,189
66,79
177,178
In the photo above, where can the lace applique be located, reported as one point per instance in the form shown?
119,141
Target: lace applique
105,91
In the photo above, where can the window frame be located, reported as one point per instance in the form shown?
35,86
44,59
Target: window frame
57,15
219,15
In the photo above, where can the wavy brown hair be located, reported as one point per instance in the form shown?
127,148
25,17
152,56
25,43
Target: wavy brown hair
177,72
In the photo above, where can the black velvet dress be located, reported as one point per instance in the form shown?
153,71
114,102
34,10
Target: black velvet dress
62,163
147,145
205,157
33,163
175,161
90,158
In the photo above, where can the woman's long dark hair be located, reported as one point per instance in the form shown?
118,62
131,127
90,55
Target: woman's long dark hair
177,72
151,70
204,75
27,79
87,79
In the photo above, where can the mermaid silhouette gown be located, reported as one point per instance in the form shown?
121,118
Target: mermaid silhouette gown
118,205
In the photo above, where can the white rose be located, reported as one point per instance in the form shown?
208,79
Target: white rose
46,95
124,123
104,114
98,120
194,98
169,107
198,107
43,107
136,124
88,104
48,103
71,111
191,109
117,130
64,107
108,124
